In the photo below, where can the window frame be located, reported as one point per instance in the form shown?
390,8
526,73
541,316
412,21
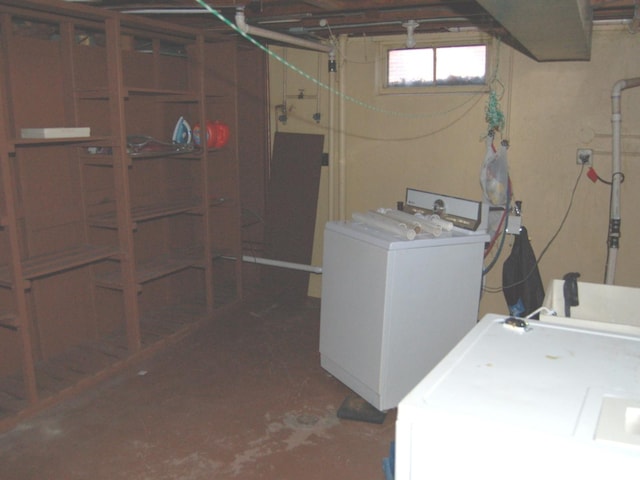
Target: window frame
435,41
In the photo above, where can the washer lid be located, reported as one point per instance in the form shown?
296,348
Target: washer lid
390,241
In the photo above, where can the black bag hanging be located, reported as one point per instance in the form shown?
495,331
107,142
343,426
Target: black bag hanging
522,285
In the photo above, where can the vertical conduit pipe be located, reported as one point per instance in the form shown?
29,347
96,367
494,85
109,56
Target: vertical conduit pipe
342,181
331,144
613,241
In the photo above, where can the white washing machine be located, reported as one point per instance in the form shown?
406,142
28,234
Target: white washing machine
392,308
537,401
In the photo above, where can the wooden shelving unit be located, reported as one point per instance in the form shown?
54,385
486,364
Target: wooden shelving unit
108,253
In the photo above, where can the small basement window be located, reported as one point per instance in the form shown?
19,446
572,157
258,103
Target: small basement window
431,68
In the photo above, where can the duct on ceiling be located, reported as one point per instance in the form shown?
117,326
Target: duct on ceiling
549,30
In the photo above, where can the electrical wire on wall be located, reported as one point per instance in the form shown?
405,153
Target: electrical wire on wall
462,115
549,243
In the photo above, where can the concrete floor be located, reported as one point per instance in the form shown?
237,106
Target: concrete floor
243,398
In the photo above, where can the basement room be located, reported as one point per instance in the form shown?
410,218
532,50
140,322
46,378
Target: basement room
319,239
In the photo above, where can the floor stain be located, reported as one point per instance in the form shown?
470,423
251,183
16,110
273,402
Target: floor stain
293,430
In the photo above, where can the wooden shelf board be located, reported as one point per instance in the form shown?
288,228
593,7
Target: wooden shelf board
169,322
93,94
186,154
196,256
47,264
48,141
156,268
187,95
162,266
149,212
146,212
98,159
103,93
8,319
10,405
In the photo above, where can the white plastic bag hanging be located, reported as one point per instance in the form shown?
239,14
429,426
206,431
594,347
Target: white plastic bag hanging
494,175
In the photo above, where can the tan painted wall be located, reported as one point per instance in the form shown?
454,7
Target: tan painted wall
552,109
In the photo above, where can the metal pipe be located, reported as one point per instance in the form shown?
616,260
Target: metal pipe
339,26
331,143
278,263
614,215
279,37
342,170
158,11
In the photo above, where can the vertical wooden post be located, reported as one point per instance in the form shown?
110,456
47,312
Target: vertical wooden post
121,165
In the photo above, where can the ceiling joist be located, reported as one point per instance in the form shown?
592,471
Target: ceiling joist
547,30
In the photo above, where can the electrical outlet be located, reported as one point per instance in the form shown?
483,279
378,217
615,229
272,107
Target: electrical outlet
584,156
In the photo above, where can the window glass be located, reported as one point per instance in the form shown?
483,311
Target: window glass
432,68
411,67
461,65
